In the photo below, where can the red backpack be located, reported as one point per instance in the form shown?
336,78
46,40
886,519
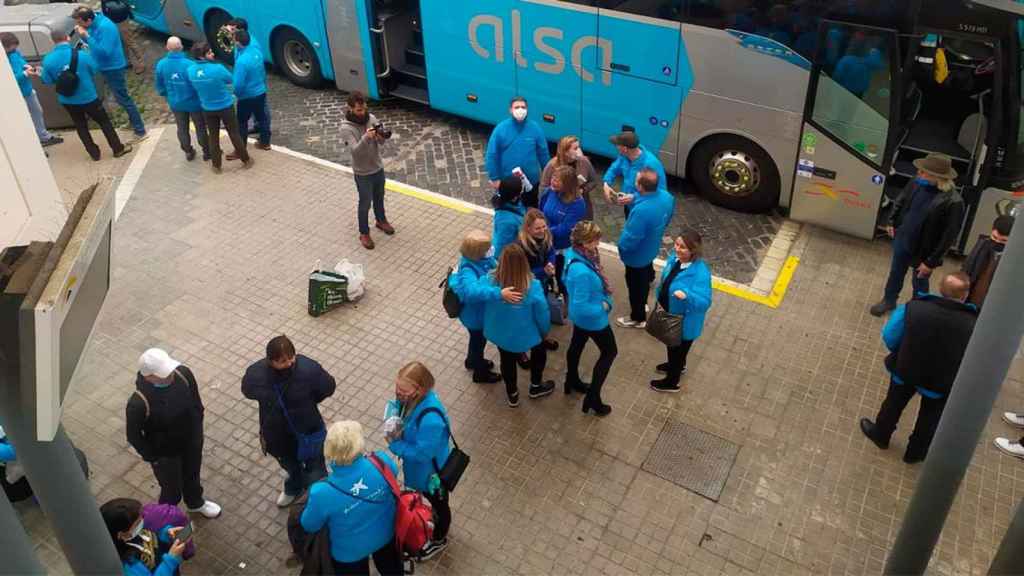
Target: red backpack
414,516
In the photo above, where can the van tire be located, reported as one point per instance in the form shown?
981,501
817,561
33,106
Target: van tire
735,173
295,57
212,23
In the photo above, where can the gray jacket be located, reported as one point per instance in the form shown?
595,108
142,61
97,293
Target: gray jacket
366,158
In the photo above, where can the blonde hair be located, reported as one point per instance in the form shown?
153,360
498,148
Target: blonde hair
945,184
344,442
417,373
531,245
514,269
475,244
585,232
564,146
566,176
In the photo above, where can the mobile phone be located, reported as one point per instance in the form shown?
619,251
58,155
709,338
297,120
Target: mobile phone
185,534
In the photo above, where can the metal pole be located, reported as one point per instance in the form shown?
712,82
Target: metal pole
996,337
19,554
1009,558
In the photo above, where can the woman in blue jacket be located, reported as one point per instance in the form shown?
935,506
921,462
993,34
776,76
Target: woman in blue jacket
685,290
142,552
508,212
538,244
518,328
563,206
422,444
355,502
591,298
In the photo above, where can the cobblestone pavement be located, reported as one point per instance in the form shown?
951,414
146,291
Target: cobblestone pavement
211,267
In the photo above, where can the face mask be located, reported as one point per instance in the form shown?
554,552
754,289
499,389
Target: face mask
519,114
284,372
578,155
922,181
136,531
490,252
996,247
161,384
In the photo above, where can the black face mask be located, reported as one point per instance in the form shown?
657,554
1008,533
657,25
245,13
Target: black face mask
357,119
284,373
998,247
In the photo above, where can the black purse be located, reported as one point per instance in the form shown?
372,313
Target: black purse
450,300
451,472
666,327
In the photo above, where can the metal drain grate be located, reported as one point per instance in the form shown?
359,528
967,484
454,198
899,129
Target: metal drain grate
692,458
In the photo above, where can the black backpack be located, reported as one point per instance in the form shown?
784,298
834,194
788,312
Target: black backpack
117,10
67,80
450,300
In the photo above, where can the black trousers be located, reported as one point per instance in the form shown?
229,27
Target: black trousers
677,360
388,561
638,282
254,108
178,475
301,475
442,513
605,341
928,417
509,368
80,115
475,354
181,120
227,117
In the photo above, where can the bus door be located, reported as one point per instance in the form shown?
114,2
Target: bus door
846,145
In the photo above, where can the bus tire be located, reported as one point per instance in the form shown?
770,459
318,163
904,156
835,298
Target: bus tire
212,23
732,172
297,60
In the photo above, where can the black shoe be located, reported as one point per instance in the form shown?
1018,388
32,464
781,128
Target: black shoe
881,308
551,345
487,377
569,387
913,459
543,389
190,155
513,399
206,156
53,140
126,150
868,428
433,548
599,408
523,361
665,385
487,365
663,368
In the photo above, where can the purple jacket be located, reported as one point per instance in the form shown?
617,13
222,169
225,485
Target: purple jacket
156,516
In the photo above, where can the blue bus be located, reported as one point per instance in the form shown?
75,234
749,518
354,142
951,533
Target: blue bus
815,106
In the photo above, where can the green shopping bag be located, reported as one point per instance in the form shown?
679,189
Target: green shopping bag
327,291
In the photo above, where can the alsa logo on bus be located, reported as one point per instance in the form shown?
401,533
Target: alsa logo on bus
542,36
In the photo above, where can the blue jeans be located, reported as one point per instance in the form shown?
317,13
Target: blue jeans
118,85
254,107
371,191
36,112
301,474
902,260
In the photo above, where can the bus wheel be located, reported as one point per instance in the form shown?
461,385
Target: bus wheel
215,20
735,173
296,58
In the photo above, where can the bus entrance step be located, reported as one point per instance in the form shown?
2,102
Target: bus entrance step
413,70
412,93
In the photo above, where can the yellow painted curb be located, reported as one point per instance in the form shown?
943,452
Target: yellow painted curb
774,298
432,198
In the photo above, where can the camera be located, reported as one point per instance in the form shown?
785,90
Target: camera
382,130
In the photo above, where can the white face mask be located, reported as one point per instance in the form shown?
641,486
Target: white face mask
578,154
519,114
2,433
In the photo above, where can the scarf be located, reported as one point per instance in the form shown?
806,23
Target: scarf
594,257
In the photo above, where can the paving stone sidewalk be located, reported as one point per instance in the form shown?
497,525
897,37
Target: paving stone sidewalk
210,267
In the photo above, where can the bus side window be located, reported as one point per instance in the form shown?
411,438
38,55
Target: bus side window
663,9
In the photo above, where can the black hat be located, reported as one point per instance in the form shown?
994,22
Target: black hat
628,139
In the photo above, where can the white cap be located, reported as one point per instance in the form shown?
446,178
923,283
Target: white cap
156,362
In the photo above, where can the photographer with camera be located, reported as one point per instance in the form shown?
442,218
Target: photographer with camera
362,134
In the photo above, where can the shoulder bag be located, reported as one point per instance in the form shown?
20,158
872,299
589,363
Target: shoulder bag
67,80
451,471
310,446
666,327
449,299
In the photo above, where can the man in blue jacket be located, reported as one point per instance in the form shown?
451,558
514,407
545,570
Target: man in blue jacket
172,83
640,243
104,40
212,82
22,74
517,142
631,160
250,80
84,102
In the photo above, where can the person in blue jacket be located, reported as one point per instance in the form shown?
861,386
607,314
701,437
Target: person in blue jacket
212,82
243,24
518,328
84,103
631,160
356,504
422,443
142,552
508,213
685,291
539,245
23,71
171,78
474,265
563,206
250,81
590,303
517,142
640,243
104,40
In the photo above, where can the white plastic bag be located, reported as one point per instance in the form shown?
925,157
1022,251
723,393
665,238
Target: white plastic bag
356,279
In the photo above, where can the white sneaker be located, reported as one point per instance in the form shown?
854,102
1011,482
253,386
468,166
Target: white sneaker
210,509
627,322
1010,447
1014,419
285,500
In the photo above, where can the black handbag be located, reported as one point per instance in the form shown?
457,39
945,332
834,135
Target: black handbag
451,472
666,327
67,80
450,300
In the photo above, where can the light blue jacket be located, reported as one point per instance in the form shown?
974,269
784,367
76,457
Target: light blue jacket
561,217
168,563
359,512
587,297
172,83
507,222
7,452
695,281
518,327
423,442
212,82
18,63
521,144
250,76
58,60
105,44
628,169
470,284
641,236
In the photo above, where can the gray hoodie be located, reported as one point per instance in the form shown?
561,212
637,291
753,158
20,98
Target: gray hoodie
366,158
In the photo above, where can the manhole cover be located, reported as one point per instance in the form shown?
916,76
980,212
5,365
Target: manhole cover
692,458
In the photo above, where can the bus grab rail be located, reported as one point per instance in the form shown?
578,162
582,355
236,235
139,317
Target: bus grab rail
387,57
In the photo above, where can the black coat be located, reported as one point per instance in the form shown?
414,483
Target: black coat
169,421
936,331
940,228
308,386
976,262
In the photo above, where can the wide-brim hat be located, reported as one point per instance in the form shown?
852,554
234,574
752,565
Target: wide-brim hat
937,165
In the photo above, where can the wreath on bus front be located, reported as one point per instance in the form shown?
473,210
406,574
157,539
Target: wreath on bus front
226,39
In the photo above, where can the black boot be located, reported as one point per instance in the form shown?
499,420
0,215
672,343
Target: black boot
576,385
593,402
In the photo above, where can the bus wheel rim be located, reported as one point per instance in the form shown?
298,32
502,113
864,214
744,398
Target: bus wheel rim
734,173
297,58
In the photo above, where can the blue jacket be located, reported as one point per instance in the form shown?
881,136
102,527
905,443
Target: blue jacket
168,566
362,518
212,82
507,222
628,169
105,44
172,83
7,453
561,216
250,76
695,281
18,65
423,444
586,293
470,284
641,236
58,60
521,144
518,327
